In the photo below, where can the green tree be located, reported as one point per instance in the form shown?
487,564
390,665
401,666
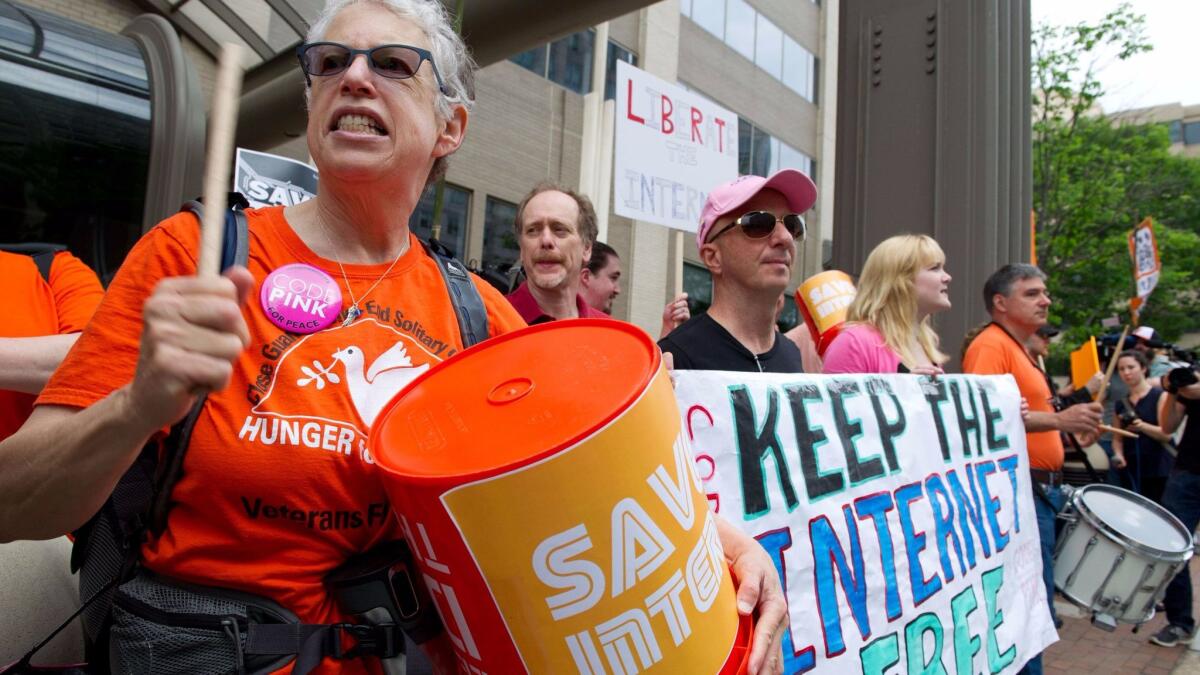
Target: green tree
1094,180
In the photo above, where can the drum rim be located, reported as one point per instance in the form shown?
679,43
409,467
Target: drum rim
1085,604
1116,536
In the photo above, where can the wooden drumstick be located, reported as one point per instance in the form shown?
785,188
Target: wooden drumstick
1119,432
1112,365
220,154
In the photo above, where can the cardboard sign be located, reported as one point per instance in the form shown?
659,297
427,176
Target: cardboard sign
1143,248
1085,362
898,511
270,180
672,147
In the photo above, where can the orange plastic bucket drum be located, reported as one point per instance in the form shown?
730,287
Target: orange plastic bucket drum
553,508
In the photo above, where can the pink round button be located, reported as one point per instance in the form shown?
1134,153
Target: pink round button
300,298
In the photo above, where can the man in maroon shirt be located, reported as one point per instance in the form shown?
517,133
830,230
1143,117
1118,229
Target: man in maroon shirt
555,228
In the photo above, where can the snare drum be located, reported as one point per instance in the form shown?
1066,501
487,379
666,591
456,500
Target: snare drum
1118,552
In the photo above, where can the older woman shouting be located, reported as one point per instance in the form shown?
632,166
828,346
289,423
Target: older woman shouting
338,307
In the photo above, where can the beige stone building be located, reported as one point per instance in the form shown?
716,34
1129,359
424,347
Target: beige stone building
1182,122
540,112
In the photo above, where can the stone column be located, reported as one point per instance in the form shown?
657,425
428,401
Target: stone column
934,138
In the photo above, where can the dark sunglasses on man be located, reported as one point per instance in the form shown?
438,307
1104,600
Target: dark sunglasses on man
760,224
397,62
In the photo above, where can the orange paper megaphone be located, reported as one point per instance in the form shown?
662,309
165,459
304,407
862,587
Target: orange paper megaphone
823,300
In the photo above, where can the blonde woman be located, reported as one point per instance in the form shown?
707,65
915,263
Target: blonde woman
903,283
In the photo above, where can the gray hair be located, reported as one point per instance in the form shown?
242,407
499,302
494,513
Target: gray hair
454,61
1002,280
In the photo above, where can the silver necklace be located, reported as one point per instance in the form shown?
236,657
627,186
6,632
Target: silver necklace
354,312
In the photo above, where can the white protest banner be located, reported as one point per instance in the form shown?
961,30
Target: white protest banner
897,509
1143,248
672,147
270,180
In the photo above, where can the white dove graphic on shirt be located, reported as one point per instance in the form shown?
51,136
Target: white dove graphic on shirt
388,374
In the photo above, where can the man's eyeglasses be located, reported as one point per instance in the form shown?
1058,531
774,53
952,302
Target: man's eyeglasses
398,62
760,224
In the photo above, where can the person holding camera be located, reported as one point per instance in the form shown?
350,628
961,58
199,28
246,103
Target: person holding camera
1182,494
1145,458
1147,341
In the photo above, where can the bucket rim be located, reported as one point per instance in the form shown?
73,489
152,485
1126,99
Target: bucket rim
626,400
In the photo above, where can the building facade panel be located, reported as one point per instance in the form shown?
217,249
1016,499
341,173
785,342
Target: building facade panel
802,19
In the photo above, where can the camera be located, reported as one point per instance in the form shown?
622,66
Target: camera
1128,417
1181,377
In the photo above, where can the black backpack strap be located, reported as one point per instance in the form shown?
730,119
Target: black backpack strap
468,304
44,262
313,642
42,254
235,248
170,467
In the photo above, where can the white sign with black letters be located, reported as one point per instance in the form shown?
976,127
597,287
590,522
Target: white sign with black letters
270,180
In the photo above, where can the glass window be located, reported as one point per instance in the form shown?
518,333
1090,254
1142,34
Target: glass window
1175,131
74,142
797,68
790,316
774,165
456,212
739,27
500,247
768,48
710,14
533,60
570,62
745,146
16,32
791,158
615,53
762,157
697,282
685,7
1191,133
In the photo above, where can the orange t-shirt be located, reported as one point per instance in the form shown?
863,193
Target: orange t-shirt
995,352
31,306
278,488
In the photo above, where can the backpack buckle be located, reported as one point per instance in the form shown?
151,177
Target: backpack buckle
381,641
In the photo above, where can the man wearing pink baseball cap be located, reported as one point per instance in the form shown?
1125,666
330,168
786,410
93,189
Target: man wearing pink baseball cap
747,240
1148,342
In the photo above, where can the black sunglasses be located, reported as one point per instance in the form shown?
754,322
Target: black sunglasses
398,62
760,224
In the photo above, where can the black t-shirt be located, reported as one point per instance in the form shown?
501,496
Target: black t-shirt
703,344
1145,457
1189,445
